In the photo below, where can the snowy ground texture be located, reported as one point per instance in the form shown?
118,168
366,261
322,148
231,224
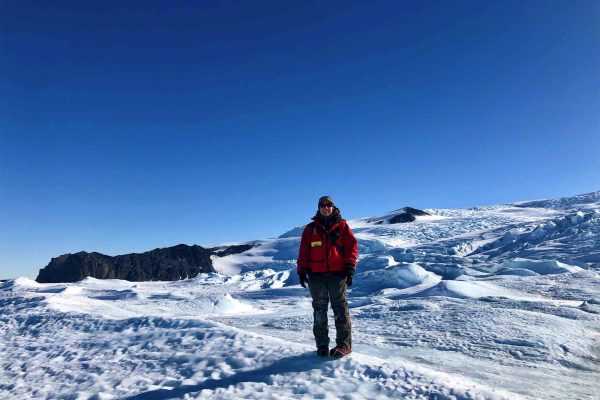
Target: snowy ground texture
498,302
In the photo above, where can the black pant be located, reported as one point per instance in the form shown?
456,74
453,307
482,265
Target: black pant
324,288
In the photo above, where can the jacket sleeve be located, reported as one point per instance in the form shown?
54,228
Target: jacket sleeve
304,251
350,247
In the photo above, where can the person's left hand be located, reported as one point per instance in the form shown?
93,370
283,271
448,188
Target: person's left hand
349,274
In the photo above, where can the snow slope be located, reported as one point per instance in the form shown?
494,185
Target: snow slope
498,302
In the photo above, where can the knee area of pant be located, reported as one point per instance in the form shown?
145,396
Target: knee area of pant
340,318
320,304
340,308
320,318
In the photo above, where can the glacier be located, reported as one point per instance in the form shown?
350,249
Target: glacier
494,302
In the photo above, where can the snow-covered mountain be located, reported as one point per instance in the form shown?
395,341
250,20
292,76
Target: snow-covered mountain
499,302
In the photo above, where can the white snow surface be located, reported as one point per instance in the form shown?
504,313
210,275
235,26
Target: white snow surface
499,302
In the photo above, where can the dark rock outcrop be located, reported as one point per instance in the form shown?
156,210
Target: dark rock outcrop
415,211
167,264
402,218
409,215
235,249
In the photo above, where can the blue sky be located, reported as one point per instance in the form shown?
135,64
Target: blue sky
129,127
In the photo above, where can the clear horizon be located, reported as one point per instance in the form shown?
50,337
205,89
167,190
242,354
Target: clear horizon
125,128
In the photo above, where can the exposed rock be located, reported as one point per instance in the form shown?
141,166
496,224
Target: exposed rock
167,264
402,218
409,214
415,211
235,249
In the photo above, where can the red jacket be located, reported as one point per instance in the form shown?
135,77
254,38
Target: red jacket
319,255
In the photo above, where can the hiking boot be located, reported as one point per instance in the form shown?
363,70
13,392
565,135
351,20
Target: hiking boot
322,351
339,352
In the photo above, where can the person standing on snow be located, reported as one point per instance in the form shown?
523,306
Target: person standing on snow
327,261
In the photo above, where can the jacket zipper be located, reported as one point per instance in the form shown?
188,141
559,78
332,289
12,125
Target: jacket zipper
327,250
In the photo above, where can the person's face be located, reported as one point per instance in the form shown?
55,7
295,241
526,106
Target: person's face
326,209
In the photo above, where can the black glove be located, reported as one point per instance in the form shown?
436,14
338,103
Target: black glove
349,273
303,278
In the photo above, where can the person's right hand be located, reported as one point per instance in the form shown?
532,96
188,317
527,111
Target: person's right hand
303,278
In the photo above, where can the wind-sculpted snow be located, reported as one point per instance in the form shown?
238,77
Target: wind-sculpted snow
496,302
522,266
573,238
581,202
84,355
398,276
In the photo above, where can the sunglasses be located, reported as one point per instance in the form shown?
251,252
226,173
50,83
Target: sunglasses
324,205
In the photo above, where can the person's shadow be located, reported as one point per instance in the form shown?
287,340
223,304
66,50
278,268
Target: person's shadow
298,363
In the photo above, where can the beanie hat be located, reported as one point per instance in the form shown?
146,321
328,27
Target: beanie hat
325,199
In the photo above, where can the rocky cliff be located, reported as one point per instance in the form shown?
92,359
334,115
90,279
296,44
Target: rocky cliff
167,264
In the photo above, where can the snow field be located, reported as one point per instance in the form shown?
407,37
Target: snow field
499,302
164,358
